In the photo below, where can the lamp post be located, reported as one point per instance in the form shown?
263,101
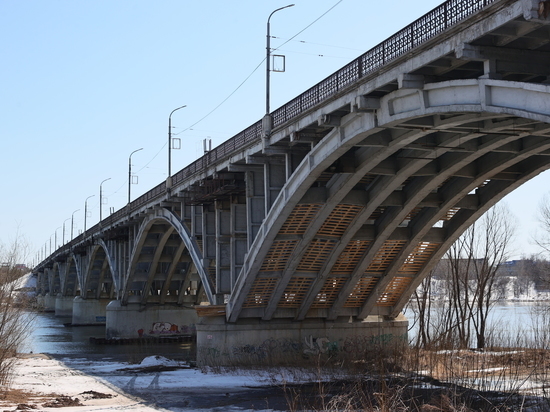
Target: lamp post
170,146
51,244
130,170
72,222
101,199
64,229
268,56
86,211
56,236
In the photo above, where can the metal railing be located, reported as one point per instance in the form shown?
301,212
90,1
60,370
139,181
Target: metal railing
427,27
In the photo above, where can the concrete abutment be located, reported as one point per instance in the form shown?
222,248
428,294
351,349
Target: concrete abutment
284,342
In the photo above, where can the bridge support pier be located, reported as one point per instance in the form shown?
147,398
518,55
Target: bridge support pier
40,302
252,342
89,311
48,303
64,305
135,320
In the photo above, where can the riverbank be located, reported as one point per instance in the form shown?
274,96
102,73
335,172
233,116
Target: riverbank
156,384
48,384
505,381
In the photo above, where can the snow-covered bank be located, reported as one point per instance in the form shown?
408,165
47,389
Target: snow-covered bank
49,378
157,384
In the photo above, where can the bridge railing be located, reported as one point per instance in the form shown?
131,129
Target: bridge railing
421,30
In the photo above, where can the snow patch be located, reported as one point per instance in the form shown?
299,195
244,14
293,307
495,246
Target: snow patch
157,361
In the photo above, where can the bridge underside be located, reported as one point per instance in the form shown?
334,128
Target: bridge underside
371,209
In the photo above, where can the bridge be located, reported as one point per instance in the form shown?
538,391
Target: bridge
307,232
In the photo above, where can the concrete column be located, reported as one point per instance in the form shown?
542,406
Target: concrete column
282,342
255,202
223,246
89,311
275,179
135,320
239,244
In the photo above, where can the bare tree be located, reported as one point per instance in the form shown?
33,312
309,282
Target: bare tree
543,239
491,250
469,277
15,320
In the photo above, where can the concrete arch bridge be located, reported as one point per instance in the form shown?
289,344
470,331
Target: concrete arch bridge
307,232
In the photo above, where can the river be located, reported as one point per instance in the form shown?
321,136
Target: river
508,321
50,336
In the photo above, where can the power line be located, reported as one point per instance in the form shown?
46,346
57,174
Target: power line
319,44
309,25
315,54
242,83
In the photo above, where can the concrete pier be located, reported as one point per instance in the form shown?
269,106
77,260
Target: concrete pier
251,342
134,320
49,303
64,306
89,311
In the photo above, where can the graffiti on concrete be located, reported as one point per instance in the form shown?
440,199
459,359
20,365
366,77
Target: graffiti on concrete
167,328
164,328
313,346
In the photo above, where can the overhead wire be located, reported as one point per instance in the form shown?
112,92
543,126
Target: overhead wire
319,44
244,81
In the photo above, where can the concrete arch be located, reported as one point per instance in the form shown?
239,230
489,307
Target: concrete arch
187,243
71,282
477,130
99,280
54,279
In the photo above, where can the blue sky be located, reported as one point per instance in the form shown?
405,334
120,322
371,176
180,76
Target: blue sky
85,83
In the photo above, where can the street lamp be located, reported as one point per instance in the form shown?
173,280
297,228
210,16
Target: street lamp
101,199
56,236
268,56
64,229
169,179
86,211
51,244
130,168
72,222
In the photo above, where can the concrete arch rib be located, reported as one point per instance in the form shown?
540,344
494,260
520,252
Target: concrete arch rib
488,164
107,267
452,195
489,195
193,249
446,105
72,278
